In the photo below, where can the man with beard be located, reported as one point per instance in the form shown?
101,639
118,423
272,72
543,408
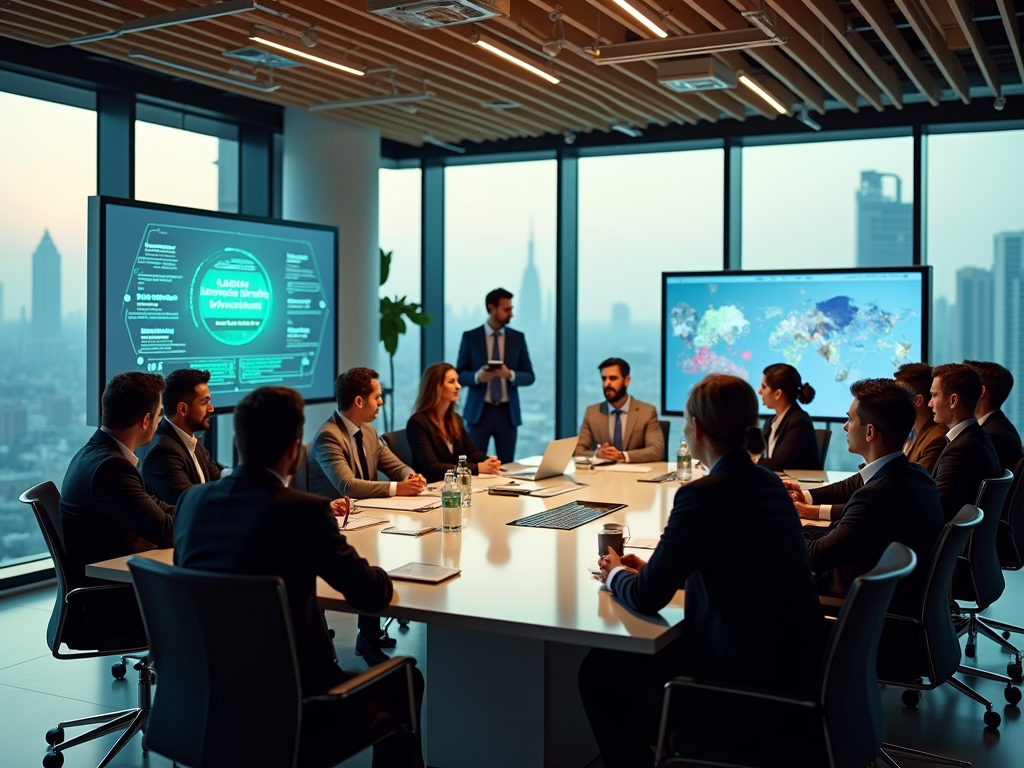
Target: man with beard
622,428
177,459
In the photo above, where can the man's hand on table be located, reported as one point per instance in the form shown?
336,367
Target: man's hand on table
611,561
341,506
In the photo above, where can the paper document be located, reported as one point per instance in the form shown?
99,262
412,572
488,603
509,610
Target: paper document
355,523
639,469
643,543
402,503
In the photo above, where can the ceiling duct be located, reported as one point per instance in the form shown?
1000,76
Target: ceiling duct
697,74
431,14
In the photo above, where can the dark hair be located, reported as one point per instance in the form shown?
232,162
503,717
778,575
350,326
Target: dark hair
961,381
355,382
888,406
129,397
996,379
450,427
787,378
726,408
181,387
623,365
267,421
494,298
916,376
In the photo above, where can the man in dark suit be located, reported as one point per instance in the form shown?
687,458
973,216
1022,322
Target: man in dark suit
177,459
251,523
492,406
969,457
897,500
996,384
106,510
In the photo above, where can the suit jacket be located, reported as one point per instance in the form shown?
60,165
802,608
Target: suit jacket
333,459
105,508
961,467
643,439
431,457
1005,439
928,444
721,572
796,446
248,523
473,357
899,503
168,468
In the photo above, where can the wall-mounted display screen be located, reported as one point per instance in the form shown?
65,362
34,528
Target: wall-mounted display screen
834,326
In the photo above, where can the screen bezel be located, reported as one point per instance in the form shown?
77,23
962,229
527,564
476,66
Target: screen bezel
926,307
96,350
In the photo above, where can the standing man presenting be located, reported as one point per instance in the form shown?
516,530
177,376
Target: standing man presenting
493,363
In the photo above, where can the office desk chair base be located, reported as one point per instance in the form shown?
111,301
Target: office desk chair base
129,721
889,750
120,668
971,624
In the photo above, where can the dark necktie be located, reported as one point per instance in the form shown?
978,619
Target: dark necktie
617,433
362,455
496,382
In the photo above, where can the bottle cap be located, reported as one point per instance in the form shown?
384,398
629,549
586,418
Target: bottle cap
462,458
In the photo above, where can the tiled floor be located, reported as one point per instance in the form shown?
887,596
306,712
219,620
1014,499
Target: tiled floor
37,690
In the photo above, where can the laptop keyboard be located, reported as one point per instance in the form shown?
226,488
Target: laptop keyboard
566,517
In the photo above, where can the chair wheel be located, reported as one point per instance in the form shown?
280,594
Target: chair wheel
1014,672
119,670
911,698
1006,634
403,624
331,633
992,719
55,736
1012,695
53,759
969,650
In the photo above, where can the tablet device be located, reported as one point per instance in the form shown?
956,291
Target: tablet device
429,574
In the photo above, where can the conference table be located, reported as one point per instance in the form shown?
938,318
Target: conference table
505,638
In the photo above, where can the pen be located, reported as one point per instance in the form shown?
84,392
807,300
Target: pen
344,520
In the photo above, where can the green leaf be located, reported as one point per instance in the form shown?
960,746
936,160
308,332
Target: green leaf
385,265
393,311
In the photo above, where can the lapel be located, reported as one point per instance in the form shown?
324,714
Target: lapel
190,466
899,461
346,443
602,434
938,461
511,348
634,408
368,448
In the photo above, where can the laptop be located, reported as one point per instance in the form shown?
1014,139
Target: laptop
556,458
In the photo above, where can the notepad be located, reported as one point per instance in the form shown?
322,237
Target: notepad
355,523
402,503
431,574
639,469
643,543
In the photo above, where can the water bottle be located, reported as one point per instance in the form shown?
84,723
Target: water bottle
451,503
464,478
684,462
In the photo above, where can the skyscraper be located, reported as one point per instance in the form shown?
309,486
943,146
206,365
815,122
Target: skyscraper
46,308
884,223
1007,335
528,304
972,326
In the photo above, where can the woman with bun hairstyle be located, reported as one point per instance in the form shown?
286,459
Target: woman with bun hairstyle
436,433
789,439
731,633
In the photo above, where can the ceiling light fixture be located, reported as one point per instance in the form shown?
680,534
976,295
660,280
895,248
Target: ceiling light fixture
636,14
369,101
146,23
428,138
762,91
269,87
628,130
257,36
801,114
499,49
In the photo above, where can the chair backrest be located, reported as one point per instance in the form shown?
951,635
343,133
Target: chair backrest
986,575
45,502
850,698
399,445
824,438
1010,541
665,426
300,481
229,692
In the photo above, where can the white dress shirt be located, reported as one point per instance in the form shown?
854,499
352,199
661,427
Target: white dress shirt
190,442
357,469
773,437
130,455
954,431
491,355
983,419
611,424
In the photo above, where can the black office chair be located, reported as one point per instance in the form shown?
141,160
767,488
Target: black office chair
824,438
229,691
399,445
841,727
921,651
978,578
300,480
66,629
665,427
1010,542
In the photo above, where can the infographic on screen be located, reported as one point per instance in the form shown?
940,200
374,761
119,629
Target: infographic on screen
834,328
249,301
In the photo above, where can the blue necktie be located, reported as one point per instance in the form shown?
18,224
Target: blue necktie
617,434
496,382
362,455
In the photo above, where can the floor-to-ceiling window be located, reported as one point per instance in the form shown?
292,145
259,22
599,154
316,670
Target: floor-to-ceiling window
400,214
640,215
48,167
500,232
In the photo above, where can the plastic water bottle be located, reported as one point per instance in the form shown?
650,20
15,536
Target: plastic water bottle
464,478
451,503
684,462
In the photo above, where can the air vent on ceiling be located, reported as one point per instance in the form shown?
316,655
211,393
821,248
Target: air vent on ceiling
695,74
431,14
257,57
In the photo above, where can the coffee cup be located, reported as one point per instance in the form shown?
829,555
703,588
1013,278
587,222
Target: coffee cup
612,535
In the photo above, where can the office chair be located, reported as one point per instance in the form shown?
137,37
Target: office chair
824,438
230,696
300,480
665,427
399,445
979,579
841,727
66,628
1010,541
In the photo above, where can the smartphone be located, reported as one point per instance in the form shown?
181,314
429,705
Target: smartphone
494,365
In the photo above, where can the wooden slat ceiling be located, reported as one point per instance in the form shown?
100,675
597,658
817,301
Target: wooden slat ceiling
861,54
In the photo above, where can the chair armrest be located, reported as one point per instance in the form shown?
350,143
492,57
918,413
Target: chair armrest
79,591
735,690
361,681
900,617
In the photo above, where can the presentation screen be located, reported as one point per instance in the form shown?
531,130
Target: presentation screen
251,300
834,326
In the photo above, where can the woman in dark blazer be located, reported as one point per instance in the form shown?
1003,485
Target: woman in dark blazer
436,434
795,446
